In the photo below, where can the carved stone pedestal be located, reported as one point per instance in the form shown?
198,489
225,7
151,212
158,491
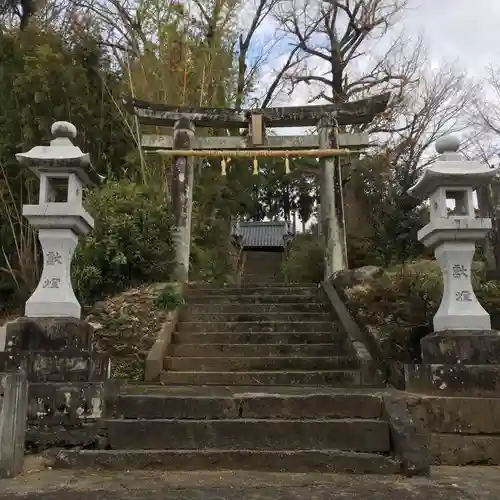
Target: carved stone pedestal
55,350
458,362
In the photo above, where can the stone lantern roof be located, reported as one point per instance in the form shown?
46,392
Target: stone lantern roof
451,170
61,155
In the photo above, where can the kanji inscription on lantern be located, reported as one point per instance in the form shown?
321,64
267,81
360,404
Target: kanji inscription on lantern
51,283
463,296
459,271
53,258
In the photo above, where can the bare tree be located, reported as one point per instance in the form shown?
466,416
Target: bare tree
435,104
485,118
334,36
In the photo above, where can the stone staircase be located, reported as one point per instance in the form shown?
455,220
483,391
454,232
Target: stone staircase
255,378
262,267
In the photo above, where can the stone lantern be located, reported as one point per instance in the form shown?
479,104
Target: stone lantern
59,217
462,355
453,234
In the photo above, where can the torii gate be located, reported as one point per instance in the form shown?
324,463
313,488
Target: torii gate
328,144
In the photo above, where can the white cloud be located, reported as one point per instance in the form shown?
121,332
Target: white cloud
454,31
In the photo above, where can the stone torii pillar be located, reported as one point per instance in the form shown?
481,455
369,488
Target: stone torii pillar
182,197
332,218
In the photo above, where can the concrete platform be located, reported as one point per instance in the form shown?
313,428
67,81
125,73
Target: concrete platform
359,435
445,483
338,378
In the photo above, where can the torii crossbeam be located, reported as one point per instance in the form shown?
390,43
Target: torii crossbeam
348,113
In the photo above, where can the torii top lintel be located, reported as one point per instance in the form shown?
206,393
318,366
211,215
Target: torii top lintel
349,113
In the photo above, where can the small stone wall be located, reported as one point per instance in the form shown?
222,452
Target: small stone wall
461,431
67,415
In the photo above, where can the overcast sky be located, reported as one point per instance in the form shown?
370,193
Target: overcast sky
462,30
454,31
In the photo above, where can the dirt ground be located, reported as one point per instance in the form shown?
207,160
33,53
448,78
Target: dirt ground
454,483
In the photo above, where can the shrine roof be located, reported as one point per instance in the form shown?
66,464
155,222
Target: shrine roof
270,234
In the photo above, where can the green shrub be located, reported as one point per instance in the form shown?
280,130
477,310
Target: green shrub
405,299
305,260
131,242
169,298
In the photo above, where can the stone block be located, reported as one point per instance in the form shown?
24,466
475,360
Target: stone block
298,461
362,435
469,347
55,349
49,334
67,414
408,438
457,379
459,415
13,410
459,449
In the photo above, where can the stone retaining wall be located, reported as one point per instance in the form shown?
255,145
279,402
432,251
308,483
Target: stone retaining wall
66,415
461,431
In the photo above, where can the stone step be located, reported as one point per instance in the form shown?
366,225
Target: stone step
298,461
262,350
259,326
255,309
244,364
214,317
262,279
366,435
253,290
253,299
281,338
190,403
333,378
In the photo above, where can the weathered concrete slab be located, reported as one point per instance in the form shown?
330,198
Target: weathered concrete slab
338,378
240,363
235,308
454,380
457,415
13,411
256,350
254,337
445,483
55,349
461,346
461,449
204,290
249,434
196,299
260,460
248,327
270,403
254,316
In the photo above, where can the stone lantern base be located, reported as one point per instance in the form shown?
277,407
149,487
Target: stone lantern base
458,362
55,350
